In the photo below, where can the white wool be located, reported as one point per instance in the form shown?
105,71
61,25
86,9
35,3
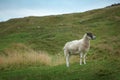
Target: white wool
77,47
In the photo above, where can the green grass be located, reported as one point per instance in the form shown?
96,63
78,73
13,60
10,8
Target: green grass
54,31
50,33
95,70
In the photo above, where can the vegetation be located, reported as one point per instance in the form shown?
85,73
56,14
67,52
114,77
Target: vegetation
116,4
31,47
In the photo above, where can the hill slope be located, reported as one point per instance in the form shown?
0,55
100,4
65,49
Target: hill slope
50,33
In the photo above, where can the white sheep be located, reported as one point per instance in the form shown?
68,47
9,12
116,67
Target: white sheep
78,47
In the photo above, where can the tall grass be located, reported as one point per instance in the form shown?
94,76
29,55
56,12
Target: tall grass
21,60
23,56
19,55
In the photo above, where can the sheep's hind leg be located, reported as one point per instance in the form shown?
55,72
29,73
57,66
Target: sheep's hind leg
81,54
67,60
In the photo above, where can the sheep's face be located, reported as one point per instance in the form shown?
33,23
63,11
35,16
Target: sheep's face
91,36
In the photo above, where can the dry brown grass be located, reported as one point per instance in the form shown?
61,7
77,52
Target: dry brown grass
30,58
19,55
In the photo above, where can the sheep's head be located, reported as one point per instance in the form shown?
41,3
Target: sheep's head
91,36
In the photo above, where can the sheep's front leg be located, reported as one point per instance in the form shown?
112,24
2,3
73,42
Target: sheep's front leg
81,54
67,60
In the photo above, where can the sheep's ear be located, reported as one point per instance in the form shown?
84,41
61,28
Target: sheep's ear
87,33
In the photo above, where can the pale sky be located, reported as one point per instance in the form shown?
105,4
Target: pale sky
22,8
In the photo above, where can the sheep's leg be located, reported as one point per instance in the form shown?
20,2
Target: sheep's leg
67,60
81,54
67,57
85,59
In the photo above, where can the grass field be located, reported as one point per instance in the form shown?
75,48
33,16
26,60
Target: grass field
31,48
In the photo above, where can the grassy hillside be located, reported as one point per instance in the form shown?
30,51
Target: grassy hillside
31,47
42,33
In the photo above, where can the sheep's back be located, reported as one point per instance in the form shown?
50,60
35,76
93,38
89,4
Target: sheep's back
72,45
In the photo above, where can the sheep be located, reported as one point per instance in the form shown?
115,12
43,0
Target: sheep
80,47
